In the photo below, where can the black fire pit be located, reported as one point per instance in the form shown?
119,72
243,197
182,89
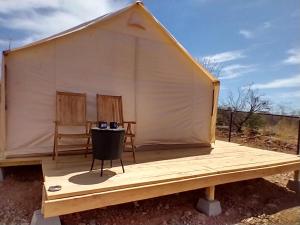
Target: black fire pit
108,144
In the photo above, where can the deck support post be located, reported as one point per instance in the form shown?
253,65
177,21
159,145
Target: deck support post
1,175
210,193
209,205
38,219
295,183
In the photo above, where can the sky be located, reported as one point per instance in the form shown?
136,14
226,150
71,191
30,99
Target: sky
256,42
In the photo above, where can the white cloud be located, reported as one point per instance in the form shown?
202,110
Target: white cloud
260,29
280,83
225,56
16,5
294,56
266,25
47,17
246,33
235,70
10,42
290,94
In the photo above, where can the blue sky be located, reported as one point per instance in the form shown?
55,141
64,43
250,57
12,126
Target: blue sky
256,41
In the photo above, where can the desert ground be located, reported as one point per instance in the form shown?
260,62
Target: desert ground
260,201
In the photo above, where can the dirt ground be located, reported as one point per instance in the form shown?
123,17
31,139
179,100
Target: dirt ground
258,201
262,141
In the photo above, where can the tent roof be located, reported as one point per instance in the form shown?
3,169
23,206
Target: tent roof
109,16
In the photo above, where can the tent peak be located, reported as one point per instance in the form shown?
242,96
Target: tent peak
139,2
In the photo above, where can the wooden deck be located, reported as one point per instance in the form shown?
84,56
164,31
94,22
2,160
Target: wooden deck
157,173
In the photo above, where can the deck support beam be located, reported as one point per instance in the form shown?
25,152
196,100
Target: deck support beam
210,193
38,219
1,174
295,183
209,205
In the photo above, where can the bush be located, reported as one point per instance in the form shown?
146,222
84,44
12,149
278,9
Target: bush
255,122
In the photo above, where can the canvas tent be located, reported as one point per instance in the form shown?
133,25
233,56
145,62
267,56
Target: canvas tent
128,53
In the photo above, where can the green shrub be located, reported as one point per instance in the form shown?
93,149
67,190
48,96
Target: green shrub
255,122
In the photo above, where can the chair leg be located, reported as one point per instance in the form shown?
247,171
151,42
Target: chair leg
133,154
101,173
110,163
92,164
122,165
55,150
87,148
133,149
88,131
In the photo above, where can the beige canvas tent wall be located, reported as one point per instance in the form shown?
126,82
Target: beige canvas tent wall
128,53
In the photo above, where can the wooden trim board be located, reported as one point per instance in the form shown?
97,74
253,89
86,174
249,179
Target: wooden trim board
97,200
21,161
136,180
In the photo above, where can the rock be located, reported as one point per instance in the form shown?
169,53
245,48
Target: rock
159,206
167,206
92,222
262,216
253,202
249,219
268,141
227,213
271,206
255,196
248,214
187,213
173,222
164,222
200,217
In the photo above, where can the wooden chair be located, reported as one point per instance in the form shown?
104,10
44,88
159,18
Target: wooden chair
110,109
71,112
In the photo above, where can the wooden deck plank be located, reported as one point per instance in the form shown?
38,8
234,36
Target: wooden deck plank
155,167
131,178
20,161
96,200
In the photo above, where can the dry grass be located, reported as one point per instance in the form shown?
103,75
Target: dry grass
284,129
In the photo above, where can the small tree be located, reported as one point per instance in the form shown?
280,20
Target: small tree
255,122
211,65
247,100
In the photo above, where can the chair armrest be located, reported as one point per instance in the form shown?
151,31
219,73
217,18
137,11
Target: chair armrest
132,122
